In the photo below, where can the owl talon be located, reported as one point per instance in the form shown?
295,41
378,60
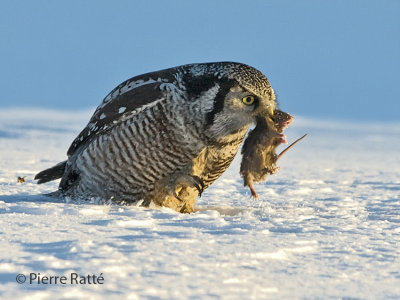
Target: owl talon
177,197
198,184
192,181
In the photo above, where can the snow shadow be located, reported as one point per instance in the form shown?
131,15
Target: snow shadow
224,210
9,135
30,198
59,249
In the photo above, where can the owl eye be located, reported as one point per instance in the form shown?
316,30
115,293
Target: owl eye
248,100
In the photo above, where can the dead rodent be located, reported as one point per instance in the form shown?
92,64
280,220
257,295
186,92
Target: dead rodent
259,149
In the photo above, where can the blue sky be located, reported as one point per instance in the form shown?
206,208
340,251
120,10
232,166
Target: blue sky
327,59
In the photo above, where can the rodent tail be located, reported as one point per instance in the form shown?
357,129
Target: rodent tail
290,146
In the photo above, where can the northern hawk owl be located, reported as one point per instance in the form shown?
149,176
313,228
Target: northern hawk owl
164,137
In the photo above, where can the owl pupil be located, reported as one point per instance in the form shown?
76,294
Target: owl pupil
248,100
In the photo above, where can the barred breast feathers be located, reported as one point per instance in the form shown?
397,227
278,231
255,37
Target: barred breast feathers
136,152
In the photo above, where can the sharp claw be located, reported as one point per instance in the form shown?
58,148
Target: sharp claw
177,197
198,188
199,184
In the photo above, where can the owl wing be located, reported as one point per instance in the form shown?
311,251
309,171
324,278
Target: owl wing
127,99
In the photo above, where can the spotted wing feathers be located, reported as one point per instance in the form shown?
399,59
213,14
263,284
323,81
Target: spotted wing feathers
125,100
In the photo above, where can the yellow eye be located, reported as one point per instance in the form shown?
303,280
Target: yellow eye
248,100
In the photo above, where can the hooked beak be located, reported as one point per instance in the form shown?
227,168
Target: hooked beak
265,113
271,111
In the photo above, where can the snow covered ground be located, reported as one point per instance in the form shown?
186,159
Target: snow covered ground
326,226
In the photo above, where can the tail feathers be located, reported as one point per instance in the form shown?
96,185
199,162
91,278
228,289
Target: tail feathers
52,173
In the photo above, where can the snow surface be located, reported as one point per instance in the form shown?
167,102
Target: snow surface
327,225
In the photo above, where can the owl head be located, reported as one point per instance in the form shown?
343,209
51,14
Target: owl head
234,95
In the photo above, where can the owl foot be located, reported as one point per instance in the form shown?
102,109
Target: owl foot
188,181
176,191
